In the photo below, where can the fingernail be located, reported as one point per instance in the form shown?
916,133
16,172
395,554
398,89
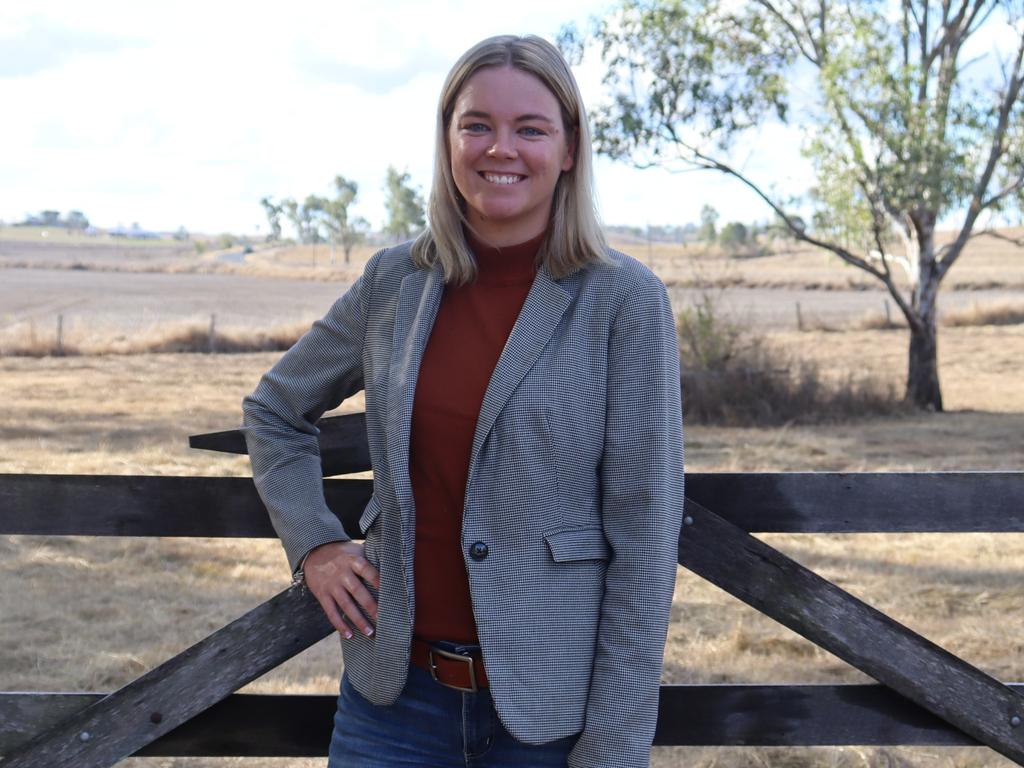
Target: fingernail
368,631
348,634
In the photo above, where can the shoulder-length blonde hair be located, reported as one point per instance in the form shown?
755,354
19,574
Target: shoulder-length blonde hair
574,236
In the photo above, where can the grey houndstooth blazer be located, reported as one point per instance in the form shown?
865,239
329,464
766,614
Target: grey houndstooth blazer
575,484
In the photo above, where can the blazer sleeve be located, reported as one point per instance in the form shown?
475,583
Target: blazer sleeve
323,368
641,481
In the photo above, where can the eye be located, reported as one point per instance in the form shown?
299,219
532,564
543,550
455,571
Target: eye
529,130
475,127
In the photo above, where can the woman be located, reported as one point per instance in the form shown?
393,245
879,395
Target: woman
510,602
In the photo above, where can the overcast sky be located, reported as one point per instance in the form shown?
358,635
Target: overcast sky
187,113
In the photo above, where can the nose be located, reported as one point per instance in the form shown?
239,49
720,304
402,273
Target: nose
504,146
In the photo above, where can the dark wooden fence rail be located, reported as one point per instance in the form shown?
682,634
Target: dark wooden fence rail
185,707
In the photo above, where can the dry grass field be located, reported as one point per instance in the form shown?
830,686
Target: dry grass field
89,614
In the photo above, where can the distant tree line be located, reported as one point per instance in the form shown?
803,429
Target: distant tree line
74,220
319,219
735,236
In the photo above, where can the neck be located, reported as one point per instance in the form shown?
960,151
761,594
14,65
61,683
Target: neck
501,237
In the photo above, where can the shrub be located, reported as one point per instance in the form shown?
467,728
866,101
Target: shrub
732,376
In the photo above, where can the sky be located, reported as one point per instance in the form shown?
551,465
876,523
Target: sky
187,113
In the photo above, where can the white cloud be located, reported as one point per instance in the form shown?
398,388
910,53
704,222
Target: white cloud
195,110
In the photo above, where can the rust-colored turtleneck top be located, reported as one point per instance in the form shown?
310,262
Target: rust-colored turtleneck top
472,325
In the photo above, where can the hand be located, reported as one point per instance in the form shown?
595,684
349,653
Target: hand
337,575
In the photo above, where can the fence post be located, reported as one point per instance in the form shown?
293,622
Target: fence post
888,317
212,342
799,318
60,335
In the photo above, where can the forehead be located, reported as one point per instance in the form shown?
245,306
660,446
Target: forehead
506,91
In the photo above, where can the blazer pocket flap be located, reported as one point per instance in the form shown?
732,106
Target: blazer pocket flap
369,514
578,544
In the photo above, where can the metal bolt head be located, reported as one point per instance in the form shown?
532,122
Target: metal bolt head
687,520
1015,721
155,717
84,736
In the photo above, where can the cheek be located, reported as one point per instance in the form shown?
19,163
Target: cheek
460,159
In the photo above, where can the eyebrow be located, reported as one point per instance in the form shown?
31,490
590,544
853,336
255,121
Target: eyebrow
531,116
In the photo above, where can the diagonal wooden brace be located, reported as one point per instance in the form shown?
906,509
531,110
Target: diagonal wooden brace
165,697
866,638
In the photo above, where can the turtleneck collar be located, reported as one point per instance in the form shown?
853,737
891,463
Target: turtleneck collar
510,264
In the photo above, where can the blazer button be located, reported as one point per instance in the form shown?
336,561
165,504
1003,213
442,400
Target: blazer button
478,550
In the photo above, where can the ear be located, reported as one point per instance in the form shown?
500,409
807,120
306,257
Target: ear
570,151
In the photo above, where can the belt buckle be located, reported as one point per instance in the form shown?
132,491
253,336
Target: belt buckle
454,657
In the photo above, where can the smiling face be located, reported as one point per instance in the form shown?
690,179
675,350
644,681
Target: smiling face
508,148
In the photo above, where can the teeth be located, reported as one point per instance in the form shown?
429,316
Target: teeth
501,179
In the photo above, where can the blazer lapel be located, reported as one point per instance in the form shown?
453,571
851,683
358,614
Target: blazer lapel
418,300
543,309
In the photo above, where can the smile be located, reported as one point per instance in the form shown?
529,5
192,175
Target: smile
502,178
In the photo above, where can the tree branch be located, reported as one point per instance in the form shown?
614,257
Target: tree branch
996,151
1005,192
912,319
1018,241
794,32
699,158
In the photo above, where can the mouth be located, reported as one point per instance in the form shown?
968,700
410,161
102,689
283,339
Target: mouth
502,179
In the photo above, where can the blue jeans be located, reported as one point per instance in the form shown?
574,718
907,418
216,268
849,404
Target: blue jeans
432,726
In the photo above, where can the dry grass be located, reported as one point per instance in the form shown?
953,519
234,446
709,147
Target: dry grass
992,314
82,613
879,321
24,340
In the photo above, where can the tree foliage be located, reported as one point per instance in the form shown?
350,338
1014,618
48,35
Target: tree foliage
902,129
273,211
343,229
708,218
404,205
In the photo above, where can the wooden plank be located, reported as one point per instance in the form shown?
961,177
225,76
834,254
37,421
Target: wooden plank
863,502
242,725
343,445
247,725
151,706
265,725
98,505
798,716
777,586
115,505
778,502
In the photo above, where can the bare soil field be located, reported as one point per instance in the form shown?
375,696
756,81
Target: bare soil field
92,614
106,288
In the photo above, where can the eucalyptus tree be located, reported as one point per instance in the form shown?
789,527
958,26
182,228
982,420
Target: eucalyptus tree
343,228
273,211
911,113
404,205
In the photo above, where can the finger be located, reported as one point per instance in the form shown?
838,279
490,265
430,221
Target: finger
333,614
367,572
362,596
352,612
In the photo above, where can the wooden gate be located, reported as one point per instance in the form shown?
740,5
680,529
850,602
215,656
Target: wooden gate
187,706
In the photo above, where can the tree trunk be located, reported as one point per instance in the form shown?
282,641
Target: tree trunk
923,367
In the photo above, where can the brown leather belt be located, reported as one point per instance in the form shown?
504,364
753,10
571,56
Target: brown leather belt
463,673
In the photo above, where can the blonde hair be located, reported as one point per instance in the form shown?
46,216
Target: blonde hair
574,236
